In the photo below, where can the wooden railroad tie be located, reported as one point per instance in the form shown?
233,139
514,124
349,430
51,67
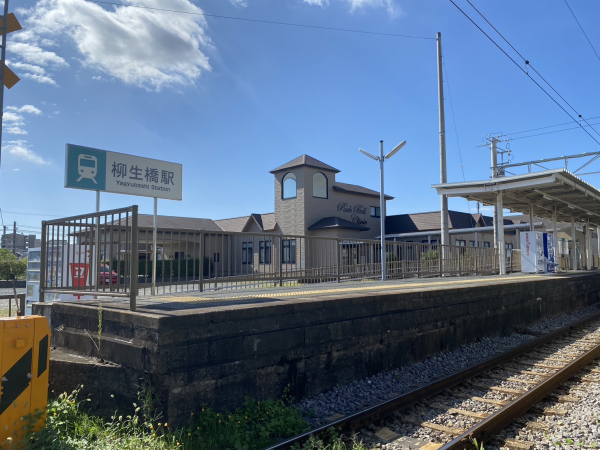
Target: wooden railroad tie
567,399
526,372
489,401
498,389
434,426
517,380
543,366
516,445
462,412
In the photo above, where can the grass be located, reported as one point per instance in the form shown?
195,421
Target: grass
253,426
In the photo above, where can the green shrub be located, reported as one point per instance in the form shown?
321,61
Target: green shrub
253,426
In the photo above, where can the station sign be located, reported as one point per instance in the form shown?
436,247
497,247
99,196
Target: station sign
100,170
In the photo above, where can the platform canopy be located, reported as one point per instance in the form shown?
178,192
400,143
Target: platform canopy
549,191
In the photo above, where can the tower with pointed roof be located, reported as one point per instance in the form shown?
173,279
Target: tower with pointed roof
309,201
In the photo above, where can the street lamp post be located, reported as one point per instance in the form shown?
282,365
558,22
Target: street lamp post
381,160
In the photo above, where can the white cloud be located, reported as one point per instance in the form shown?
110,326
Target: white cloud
152,49
392,6
13,118
29,109
16,170
40,78
33,54
16,119
38,70
15,130
241,3
20,149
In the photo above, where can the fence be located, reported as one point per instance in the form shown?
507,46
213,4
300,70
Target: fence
210,260
78,253
18,309
105,254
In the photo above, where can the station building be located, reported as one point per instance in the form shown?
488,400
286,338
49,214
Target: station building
311,203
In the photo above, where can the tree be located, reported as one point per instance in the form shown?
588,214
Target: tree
10,264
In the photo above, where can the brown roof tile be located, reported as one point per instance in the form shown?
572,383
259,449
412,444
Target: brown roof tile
306,160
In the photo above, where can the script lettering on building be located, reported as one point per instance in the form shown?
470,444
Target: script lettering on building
352,209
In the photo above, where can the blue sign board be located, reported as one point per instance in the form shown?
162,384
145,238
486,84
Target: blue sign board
100,170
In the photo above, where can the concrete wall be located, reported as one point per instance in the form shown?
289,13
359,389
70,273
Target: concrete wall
220,355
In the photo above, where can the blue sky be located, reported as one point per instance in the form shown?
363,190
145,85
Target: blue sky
231,100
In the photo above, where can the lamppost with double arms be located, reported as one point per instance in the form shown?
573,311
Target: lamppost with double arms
381,160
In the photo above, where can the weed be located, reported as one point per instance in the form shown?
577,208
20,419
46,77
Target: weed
99,329
330,440
478,445
253,426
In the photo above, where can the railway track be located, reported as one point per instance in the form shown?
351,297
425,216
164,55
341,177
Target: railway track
481,401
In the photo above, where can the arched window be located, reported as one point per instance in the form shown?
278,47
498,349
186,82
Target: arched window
319,185
289,186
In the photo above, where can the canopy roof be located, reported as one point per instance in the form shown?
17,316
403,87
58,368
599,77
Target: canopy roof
546,191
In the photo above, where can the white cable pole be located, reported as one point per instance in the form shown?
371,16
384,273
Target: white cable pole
382,213
445,236
501,248
154,251
494,175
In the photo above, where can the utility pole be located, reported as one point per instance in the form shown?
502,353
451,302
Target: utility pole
494,146
445,235
7,76
4,237
14,242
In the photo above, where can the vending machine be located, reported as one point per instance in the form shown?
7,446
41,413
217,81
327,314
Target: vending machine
550,253
534,252
32,283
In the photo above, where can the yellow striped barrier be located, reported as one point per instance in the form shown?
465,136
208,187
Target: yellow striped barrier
24,366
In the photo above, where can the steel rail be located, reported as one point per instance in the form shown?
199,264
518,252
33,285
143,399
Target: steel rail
506,415
385,409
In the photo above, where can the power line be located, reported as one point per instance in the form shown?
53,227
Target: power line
550,126
462,167
31,214
549,132
527,63
581,28
523,70
272,22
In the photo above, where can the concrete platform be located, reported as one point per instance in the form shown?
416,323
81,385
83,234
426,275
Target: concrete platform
216,348
181,303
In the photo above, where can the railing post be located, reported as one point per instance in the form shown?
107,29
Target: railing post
338,253
135,258
21,304
43,260
440,250
279,260
201,277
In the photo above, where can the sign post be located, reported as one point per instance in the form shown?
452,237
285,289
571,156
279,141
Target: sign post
154,252
103,171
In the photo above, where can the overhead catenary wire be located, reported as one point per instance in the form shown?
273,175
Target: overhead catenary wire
582,30
549,126
271,22
528,63
548,132
523,70
462,167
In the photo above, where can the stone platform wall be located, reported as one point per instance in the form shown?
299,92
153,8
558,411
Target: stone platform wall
219,356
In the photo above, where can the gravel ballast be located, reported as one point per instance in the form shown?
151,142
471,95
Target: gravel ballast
360,394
